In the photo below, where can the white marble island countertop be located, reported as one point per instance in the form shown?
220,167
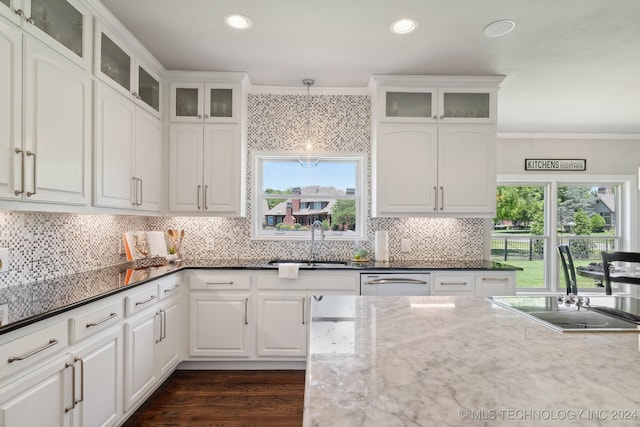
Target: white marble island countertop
462,361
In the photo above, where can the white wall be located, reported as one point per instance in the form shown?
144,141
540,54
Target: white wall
612,155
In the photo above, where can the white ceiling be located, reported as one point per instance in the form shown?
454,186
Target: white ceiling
571,65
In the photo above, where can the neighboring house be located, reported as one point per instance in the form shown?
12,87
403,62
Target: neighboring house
606,207
303,210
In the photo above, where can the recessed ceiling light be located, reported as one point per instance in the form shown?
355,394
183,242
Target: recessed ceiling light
403,26
239,22
499,28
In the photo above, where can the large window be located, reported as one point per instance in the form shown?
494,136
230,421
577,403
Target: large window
291,196
534,216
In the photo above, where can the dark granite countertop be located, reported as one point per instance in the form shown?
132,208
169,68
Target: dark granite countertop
32,302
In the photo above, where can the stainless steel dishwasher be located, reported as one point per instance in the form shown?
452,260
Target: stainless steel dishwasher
394,284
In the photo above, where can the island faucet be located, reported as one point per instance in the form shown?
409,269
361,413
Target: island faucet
318,225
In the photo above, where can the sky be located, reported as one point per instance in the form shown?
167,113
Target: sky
280,175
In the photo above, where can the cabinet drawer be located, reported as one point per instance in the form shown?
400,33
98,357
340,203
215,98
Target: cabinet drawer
100,317
454,284
140,300
218,282
310,281
32,347
169,286
495,284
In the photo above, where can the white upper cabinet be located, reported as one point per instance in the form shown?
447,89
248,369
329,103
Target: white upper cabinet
65,25
117,65
416,99
128,153
55,157
435,146
205,102
10,110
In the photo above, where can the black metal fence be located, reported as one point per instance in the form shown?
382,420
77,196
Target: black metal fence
532,248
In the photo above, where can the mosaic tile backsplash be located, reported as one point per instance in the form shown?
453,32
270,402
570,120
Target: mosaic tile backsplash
48,245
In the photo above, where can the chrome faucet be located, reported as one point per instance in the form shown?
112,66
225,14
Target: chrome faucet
318,225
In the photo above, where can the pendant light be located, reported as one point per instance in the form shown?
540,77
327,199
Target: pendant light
308,161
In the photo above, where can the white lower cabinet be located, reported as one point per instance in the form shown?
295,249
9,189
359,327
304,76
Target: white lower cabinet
40,398
151,337
478,283
282,324
495,283
220,325
82,388
98,389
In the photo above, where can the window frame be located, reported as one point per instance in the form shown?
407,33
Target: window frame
360,196
625,204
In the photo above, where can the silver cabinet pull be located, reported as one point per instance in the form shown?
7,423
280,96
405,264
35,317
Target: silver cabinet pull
29,193
441,198
22,172
19,12
163,325
199,187
159,316
495,279
151,298
246,308
99,322
303,313
51,343
75,360
73,386
453,283
206,188
176,286
134,181
30,20
220,283
398,280
435,198
140,181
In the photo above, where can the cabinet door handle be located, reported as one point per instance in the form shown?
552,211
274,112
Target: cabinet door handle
441,198
134,183
304,300
73,386
495,279
219,283
151,298
199,186
453,283
176,286
109,317
206,187
163,330
246,309
19,12
140,181
159,324
29,193
51,343
22,172
435,196
75,360
30,20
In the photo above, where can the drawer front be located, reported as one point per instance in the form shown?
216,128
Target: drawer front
495,284
169,286
311,281
102,316
453,284
34,346
219,282
140,300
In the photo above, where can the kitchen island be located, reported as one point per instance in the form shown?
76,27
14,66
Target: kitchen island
462,361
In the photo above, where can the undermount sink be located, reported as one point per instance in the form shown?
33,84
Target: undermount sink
309,264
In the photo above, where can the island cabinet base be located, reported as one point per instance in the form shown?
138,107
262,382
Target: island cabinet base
448,361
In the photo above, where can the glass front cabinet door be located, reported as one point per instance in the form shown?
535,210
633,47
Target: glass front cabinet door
437,105
204,102
117,66
65,25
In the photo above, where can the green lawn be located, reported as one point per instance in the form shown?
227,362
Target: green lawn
532,275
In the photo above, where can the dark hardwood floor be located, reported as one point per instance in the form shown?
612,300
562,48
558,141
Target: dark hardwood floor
225,398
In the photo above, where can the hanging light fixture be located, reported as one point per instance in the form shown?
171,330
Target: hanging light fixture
308,161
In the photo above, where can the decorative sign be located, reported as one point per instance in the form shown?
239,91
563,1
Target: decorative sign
555,164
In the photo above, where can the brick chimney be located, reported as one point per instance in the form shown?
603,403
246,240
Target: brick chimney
289,219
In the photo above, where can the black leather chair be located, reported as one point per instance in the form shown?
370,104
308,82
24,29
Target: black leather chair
609,257
569,269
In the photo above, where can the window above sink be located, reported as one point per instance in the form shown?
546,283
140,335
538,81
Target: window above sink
289,197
